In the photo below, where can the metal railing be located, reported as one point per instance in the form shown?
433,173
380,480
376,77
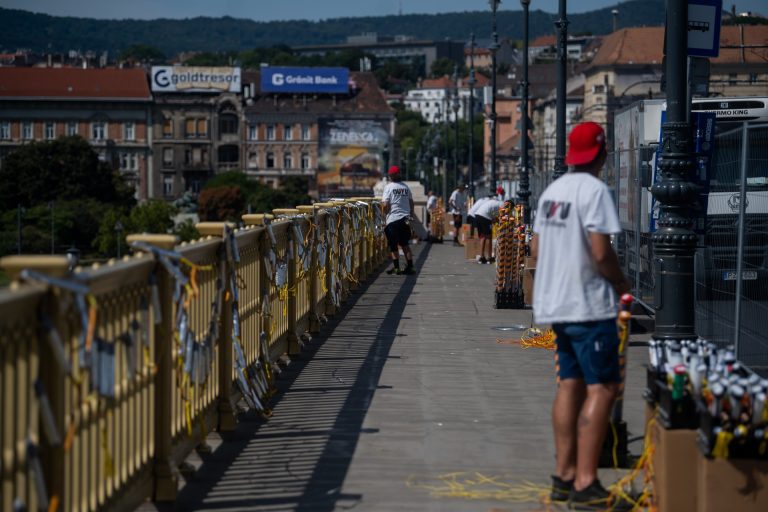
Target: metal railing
111,375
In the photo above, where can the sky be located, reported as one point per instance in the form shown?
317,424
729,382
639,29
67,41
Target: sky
267,10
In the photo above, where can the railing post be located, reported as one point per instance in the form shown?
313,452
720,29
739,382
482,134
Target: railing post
165,477
227,418
292,338
314,314
51,375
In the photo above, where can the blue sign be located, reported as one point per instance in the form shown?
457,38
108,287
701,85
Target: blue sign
703,126
704,27
307,80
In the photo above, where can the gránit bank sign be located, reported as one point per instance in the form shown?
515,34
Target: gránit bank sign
304,80
195,79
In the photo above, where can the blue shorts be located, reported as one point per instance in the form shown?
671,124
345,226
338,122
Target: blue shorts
589,351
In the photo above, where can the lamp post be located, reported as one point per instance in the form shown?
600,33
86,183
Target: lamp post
674,243
456,107
53,244
20,210
562,61
523,191
493,48
470,160
119,230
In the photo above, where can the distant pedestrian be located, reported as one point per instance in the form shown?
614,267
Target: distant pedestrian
458,205
578,279
485,215
431,207
397,202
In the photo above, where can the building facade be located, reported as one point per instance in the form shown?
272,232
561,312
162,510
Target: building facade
110,108
434,97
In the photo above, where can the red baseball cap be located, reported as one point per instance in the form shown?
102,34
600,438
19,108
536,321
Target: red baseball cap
394,170
584,143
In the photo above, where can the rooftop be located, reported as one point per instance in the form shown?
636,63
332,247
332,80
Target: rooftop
74,83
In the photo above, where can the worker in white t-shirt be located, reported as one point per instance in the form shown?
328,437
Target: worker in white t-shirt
458,205
485,214
471,216
578,279
397,202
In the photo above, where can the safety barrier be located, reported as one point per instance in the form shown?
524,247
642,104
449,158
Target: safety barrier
112,374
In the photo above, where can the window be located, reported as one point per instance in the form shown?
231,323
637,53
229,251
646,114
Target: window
287,161
195,128
306,161
129,130
753,78
306,133
71,128
129,161
98,130
270,132
26,130
194,185
167,185
5,130
167,128
270,160
228,124
167,157
253,160
253,132
287,132
732,78
229,154
49,130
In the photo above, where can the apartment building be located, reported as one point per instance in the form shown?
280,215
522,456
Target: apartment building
110,108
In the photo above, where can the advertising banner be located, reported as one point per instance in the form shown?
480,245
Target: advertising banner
309,80
350,156
195,79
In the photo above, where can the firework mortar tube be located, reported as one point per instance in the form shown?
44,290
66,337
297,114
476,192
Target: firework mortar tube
625,315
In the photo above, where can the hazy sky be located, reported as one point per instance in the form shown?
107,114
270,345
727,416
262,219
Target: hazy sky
264,10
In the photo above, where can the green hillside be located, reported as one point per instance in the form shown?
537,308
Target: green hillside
40,32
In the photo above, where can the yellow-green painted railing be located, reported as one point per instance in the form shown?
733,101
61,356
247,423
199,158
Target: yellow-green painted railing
101,398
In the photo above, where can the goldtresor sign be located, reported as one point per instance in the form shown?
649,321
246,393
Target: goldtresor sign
195,79
280,79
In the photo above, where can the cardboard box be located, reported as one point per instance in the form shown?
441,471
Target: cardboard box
528,274
471,248
674,462
731,485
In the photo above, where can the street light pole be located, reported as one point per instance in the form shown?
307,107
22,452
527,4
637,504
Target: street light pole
456,107
493,49
674,243
562,61
470,160
19,215
523,191
53,244
119,230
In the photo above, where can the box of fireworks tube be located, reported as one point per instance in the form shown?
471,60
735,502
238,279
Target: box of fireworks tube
731,484
676,412
528,274
471,248
675,469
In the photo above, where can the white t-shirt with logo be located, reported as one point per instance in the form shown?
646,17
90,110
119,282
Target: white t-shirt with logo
459,201
568,286
473,210
398,195
432,203
489,208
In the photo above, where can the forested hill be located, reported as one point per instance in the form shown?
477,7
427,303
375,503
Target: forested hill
40,32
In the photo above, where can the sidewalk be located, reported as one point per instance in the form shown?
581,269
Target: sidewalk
406,402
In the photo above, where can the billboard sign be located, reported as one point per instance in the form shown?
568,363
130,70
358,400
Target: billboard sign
195,79
309,80
350,156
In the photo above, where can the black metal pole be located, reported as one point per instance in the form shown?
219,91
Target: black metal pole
674,243
494,48
523,190
470,158
456,107
53,227
19,213
562,61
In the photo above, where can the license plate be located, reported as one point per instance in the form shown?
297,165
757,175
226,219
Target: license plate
746,275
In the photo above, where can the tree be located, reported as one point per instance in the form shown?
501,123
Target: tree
63,169
221,204
143,53
442,67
